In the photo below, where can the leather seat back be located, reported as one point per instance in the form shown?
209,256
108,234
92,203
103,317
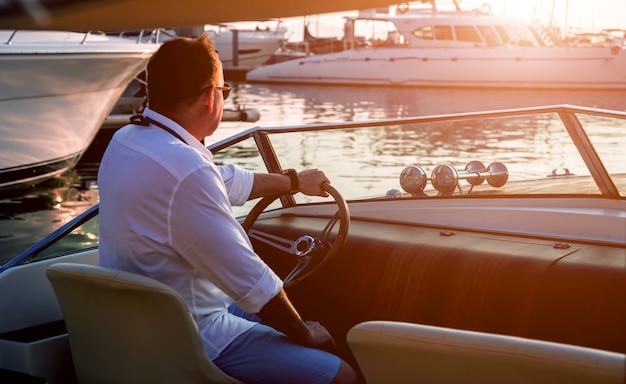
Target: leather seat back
128,328
394,352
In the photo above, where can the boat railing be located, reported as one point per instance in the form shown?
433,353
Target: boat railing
8,42
143,37
151,36
249,26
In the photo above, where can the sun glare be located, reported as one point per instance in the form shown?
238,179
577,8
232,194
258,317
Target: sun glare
583,14
567,15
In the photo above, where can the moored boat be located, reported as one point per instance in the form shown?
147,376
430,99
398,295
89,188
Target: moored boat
427,47
242,49
56,89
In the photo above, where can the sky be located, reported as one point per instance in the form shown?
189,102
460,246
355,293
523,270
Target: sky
589,15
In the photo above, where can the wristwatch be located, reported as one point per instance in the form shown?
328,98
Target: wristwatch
293,176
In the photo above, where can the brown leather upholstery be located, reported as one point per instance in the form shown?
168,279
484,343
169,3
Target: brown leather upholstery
393,352
474,281
128,328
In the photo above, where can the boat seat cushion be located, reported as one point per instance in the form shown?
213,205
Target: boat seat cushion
128,328
396,352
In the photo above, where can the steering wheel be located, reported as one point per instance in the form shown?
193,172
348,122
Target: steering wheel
306,247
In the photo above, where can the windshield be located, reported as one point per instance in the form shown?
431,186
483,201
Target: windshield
533,154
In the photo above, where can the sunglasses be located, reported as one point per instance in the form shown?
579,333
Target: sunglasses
225,90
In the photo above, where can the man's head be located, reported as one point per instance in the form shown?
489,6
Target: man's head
180,71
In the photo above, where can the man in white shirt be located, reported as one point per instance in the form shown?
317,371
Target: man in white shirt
165,212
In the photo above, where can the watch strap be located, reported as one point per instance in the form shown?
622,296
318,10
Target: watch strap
293,177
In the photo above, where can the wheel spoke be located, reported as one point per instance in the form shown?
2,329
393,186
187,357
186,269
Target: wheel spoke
302,263
328,228
277,242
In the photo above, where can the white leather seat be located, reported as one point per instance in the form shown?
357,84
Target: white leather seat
128,328
392,352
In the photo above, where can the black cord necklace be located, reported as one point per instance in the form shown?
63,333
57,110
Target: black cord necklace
146,121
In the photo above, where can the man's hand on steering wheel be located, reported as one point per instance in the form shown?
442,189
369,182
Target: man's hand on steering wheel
310,182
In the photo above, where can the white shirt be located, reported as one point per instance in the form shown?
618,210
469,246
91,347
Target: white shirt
165,212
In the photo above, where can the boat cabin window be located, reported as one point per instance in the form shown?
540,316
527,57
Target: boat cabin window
424,33
443,32
539,39
376,33
467,33
502,34
490,36
521,35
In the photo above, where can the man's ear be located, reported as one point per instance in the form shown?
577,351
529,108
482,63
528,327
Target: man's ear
209,99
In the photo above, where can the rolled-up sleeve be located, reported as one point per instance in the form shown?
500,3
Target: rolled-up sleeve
238,182
266,288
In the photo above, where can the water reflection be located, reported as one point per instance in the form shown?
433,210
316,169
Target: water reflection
27,215
294,104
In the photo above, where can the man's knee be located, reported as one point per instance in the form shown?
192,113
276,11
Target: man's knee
345,375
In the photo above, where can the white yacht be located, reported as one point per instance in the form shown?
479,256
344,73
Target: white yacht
56,89
427,47
243,48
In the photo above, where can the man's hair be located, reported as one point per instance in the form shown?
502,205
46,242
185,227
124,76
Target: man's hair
179,71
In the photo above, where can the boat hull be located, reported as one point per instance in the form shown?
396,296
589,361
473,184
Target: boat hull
251,50
488,67
53,100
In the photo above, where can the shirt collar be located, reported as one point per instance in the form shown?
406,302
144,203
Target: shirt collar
189,138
